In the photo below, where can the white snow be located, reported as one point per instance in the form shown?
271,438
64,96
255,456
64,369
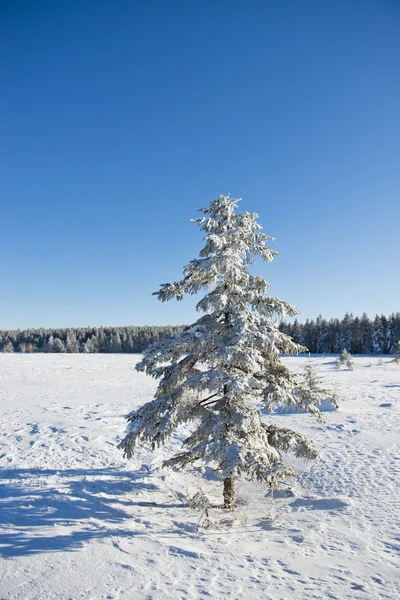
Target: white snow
79,522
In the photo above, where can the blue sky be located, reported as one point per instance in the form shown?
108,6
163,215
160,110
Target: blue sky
119,119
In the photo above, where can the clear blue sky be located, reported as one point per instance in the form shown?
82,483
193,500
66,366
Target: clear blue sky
120,118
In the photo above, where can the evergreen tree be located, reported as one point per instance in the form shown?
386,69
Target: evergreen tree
8,348
335,327
296,332
393,331
213,372
315,334
312,384
396,353
385,335
72,344
396,327
90,346
58,345
345,359
323,338
49,345
366,335
115,342
378,336
345,331
355,335
306,335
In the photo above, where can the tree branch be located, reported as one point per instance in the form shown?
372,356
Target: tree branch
212,402
209,397
240,369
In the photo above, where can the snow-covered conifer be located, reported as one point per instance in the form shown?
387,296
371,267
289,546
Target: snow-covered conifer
366,335
72,344
58,345
312,386
49,345
378,335
345,360
90,346
323,337
396,353
213,374
8,348
345,331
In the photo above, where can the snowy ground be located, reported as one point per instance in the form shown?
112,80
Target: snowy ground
76,521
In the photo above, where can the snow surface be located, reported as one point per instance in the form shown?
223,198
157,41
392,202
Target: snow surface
77,521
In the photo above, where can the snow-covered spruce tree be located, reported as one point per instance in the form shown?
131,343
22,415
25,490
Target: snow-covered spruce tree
396,353
8,348
311,380
345,359
214,373
312,385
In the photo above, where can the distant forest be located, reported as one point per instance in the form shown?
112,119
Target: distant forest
357,335
105,340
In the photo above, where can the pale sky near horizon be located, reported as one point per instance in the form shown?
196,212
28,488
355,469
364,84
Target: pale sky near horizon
119,119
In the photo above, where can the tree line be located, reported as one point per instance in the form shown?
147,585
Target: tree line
357,335
87,340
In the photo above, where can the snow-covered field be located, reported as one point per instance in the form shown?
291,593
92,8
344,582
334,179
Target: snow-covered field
77,521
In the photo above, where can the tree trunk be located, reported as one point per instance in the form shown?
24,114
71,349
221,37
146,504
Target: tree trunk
229,490
229,493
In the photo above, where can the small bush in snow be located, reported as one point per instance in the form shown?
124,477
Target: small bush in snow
312,387
345,360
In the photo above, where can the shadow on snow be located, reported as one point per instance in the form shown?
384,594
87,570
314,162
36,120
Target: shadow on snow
37,504
88,502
